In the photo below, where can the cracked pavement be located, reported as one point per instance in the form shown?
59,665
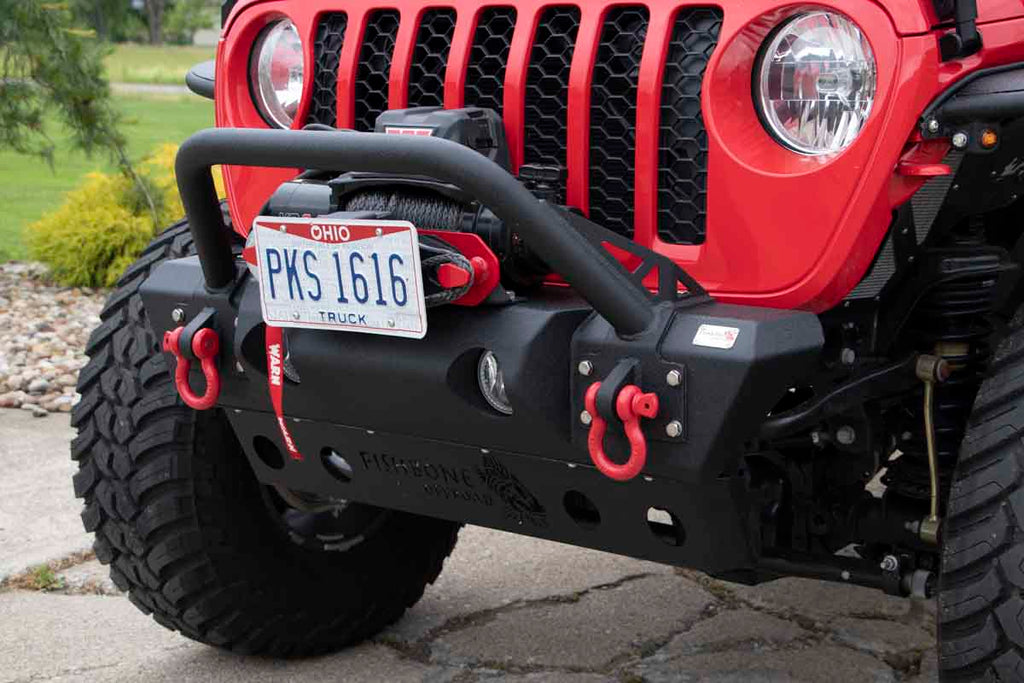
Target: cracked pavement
506,608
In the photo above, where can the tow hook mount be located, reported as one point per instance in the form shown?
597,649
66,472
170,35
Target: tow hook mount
681,399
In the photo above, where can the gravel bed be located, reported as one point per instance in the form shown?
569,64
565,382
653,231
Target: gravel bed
43,331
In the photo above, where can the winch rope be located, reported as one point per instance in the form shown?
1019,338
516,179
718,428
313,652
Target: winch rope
434,258
427,211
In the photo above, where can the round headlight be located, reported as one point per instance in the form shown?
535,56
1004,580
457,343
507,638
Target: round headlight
276,72
816,83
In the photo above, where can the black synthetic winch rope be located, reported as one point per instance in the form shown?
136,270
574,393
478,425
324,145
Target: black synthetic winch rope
435,258
426,211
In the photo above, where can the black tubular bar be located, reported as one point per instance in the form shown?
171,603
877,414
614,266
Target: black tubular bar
606,286
838,569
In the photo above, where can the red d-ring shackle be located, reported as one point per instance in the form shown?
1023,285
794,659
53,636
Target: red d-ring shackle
205,347
631,404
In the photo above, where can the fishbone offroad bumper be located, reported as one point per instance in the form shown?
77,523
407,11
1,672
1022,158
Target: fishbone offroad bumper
401,424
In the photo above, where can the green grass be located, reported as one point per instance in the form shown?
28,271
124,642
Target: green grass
45,579
29,188
163,64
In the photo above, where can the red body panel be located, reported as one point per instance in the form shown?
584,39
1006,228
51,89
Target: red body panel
783,230
918,16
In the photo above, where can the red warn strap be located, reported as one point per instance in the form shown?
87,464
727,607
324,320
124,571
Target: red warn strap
275,380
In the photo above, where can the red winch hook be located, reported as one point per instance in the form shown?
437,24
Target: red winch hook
631,404
205,347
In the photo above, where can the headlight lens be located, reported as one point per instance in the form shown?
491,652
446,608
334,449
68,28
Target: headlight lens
492,383
276,72
816,83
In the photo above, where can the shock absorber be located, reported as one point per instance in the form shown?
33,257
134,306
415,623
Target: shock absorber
951,322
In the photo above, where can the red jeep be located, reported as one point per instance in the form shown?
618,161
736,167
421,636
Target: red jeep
731,286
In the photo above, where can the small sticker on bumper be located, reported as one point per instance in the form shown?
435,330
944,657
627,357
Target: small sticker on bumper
716,336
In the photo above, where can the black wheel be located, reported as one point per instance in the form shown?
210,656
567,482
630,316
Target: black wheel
192,536
981,606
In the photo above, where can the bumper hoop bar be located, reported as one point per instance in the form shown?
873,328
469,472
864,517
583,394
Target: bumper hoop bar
605,284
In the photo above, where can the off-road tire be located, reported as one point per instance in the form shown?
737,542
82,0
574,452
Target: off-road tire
182,522
981,596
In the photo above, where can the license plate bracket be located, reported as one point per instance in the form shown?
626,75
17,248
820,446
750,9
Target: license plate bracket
341,274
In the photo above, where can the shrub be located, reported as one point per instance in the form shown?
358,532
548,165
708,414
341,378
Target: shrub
104,224
185,19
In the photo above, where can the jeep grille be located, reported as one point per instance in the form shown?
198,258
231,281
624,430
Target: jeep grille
538,129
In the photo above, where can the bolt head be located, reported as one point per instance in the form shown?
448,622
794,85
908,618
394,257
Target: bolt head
960,140
848,356
674,429
284,228
889,563
585,368
178,315
296,315
846,435
933,126
674,378
379,231
586,418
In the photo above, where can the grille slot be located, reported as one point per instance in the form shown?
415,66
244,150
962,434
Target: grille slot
547,87
330,36
430,58
492,42
682,139
375,68
613,118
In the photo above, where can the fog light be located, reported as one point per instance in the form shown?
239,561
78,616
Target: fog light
492,383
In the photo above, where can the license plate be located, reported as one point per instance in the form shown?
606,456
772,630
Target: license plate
351,275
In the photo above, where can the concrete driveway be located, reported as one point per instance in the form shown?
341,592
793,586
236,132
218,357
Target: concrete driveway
506,608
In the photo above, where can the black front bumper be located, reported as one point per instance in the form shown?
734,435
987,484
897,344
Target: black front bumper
407,416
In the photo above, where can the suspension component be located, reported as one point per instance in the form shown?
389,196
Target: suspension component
952,321
931,370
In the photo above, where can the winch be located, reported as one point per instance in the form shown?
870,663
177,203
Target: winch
442,212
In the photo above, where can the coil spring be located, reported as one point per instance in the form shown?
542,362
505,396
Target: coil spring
953,321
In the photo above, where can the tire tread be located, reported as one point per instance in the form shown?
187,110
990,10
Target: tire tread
981,611
169,497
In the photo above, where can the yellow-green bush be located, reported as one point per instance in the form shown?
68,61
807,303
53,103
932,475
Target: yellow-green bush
104,225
